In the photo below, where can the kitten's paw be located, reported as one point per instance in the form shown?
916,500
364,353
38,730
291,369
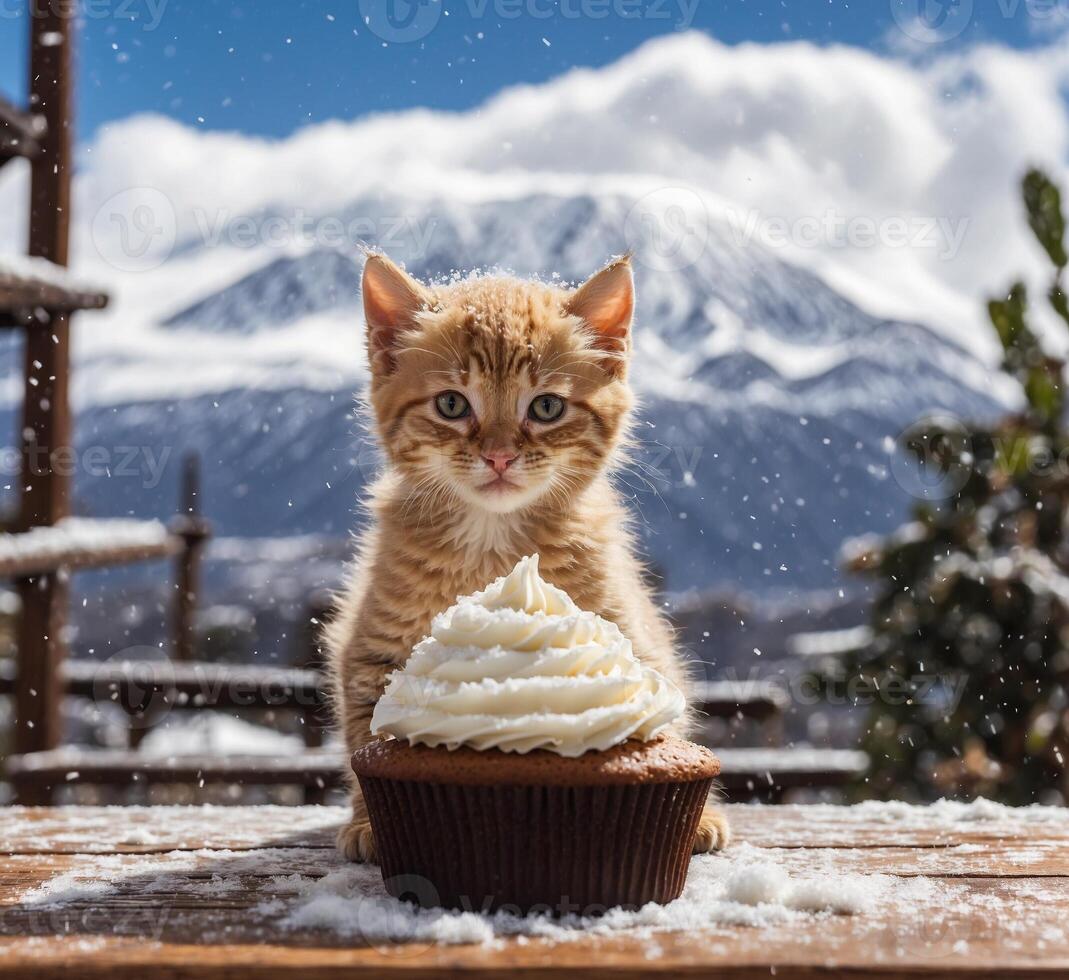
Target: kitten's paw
713,831
357,843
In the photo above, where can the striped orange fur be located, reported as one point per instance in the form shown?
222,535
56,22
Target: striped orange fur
443,522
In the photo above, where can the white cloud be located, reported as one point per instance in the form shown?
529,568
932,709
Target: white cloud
785,132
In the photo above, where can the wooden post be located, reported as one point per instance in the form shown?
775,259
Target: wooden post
46,421
194,531
315,718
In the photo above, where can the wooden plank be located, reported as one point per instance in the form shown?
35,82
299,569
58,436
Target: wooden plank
147,830
995,911
830,643
753,772
178,933
137,829
739,777
84,559
618,959
282,851
759,700
42,550
894,825
20,299
32,284
197,684
118,767
225,685
20,132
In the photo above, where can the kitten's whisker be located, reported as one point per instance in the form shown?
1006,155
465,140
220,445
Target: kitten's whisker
638,503
552,363
565,374
459,361
431,500
450,375
416,493
424,350
620,470
560,485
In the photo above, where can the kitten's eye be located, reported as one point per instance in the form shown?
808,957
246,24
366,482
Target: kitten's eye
452,405
546,408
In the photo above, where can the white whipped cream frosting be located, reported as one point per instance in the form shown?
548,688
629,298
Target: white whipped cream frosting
519,667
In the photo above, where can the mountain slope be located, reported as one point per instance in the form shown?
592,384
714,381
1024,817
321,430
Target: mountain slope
769,401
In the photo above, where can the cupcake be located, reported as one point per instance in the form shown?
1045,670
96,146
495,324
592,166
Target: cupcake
528,767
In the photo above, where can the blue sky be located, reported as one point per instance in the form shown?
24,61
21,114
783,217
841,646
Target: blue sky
273,66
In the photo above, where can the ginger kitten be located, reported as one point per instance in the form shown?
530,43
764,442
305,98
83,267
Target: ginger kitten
501,405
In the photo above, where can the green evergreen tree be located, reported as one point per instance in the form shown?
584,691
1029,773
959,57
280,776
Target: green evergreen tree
974,592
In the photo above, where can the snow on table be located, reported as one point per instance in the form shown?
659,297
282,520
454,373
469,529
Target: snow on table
259,891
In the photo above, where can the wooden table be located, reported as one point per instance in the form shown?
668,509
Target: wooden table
181,892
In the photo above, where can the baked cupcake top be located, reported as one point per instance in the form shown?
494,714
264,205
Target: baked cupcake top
519,667
665,759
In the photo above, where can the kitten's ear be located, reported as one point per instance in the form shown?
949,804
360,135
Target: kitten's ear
392,298
606,304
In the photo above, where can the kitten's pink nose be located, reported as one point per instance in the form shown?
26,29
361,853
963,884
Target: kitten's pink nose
500,460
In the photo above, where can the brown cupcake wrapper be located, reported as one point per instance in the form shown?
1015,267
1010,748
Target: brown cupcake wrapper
555,849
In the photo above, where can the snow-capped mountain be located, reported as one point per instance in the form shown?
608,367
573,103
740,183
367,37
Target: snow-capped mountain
769,401
281,292
775,371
